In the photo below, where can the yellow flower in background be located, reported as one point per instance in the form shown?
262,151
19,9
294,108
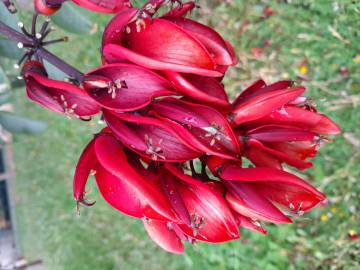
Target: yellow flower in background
324,218
304,70
357,59
333,210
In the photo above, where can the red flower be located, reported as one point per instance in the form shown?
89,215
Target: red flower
57,96
173,149
168,43
48,7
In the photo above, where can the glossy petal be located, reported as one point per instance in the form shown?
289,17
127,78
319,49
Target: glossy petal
181,11
208,127
249,224
111,156
115,29
212,220
118,193
247,201
259,88
168,185
203,89
104,6
308,120
150,138
276,185
261,158
125,87
300,150
283,157
213,42
87,162
163,235
58,96
278,133
262,105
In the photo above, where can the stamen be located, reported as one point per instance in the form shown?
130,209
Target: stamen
155,152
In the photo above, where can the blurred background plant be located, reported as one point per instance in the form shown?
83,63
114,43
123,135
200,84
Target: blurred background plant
314,42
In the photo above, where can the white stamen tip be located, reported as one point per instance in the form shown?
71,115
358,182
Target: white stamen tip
38,35
20,45
20,24
20,77
16,66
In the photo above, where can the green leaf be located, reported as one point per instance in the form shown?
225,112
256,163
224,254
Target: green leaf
17,124
9,49
8,18
72,20
4,97
3,81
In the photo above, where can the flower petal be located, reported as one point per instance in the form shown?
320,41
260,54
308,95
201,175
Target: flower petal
280,133
118,193
87,162
128,87
308,120
203,89
260,88
276,185
104,6
58,96
244,199
262,105
212,219
213,42
150,138
111,156
163,236
114,53
208,126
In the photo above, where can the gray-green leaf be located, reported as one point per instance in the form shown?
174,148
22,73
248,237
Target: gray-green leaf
17,124
72,20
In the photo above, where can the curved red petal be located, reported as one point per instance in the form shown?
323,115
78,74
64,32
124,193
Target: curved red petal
204,89
164,41
208,126
164,236
87,162
182,10
150,138
213,42
118,193
129,87
281,133
104,6
212,219
283,157
58,96
111,156
278,186
114,53
308,120
262,105
115,29
247,201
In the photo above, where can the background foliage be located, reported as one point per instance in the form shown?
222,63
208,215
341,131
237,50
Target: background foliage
316,42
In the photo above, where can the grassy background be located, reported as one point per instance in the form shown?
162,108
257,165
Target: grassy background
307,40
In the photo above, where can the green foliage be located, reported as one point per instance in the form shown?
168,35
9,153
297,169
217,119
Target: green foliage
322,36
73,20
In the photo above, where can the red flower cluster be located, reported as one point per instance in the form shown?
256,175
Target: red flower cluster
161,96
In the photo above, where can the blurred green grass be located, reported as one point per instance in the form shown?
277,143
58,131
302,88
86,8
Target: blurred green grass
322,36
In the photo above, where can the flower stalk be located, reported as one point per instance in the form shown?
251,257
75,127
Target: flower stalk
38,50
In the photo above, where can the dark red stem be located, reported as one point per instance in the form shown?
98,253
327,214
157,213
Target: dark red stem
14,35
